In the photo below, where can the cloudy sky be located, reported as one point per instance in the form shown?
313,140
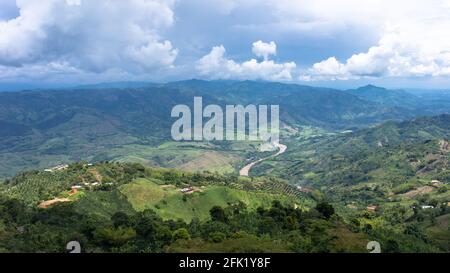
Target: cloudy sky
401,43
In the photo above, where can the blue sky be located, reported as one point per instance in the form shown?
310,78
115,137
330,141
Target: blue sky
323,42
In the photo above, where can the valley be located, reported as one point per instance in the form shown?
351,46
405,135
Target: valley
355,165
41,129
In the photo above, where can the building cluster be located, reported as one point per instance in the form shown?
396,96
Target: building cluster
60,167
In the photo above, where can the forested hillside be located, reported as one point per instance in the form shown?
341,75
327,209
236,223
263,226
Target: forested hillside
399,172
130,208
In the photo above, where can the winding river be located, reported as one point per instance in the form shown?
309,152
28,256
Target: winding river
245,171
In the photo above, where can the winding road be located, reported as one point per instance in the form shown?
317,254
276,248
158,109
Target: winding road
245,171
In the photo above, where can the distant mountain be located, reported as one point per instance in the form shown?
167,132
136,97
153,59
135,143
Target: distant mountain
384,96
425,102
9,87
300,104
426,92
118,85
43,128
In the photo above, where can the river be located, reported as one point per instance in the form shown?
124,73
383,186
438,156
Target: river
246,170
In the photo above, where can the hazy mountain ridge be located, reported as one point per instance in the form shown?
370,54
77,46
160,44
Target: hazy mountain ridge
50,127
324,107
420,103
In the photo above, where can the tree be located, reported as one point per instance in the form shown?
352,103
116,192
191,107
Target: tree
325,209
291,222
114,236
391,247
218,214
414,230
195,227
120,219
367,228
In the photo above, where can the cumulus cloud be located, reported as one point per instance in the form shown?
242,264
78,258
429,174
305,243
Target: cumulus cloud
215,65
333,40
329,68
404,38
89,35
405,50
411,36
261,49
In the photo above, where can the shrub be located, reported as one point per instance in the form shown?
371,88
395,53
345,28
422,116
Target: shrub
216,237
181,234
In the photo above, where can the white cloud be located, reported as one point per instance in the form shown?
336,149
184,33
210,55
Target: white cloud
215,65
404,38
408,49
73,2
329,68
261,49
89,35
337,40
351,13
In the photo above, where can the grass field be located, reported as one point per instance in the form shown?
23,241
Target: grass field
170,203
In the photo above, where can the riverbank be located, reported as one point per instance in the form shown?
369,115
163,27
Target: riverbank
246,170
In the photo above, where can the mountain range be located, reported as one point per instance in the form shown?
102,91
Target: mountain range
91,164
42,128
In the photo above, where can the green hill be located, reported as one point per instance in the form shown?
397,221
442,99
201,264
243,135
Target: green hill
125,122
399,170
130,208
126,207
108,186
170,203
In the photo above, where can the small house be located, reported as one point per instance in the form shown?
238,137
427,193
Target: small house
436,183
187,190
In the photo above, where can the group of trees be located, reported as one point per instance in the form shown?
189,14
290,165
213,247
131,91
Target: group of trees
26,229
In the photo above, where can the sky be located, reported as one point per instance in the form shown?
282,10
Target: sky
343,44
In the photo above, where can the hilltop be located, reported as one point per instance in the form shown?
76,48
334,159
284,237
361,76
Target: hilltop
127,207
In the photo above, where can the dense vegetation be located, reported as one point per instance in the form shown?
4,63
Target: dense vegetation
397,171
110,215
